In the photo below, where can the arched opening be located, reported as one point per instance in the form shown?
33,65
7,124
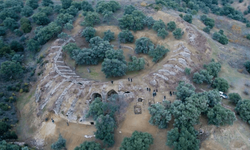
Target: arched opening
95,95
111,92
127,92
92,123
79,83
140,99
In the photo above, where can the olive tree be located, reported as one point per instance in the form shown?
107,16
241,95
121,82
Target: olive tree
178,33
213,97
136,64
114,68
220,116
234,97
221,84
10,24
91,19
158,53
243,109
184,91
171,26
32,3
126,36
159,25
105,126
85,56
41,18
188,18
160,116
89,145
47,2
69,48
143,45
109,36
183,138
66,3
59,144
26,11
88,33
138,141
11,70
100,47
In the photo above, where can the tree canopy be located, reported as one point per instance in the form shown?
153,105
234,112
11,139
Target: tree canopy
243,109
202,76
160,115
234,97
136,64
11,70
220,116
88,33
178,33
126,36
221,84
66,3
158,52
143,45
213,97
213,68
171,26
183,138
89,145
184,91
59,144
138,141
91,19
109,36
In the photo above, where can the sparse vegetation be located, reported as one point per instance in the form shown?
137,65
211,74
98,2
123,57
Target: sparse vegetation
59,144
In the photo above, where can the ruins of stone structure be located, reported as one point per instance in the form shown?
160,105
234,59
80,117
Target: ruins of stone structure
68,95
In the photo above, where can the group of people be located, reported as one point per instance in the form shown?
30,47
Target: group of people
129,79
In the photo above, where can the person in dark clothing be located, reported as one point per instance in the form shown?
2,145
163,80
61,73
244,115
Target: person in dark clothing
128,79
156,90
147,89
170,93
164,97
131,79
112,82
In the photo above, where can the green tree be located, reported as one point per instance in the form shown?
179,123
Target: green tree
213,97
160,116
89,145
63,35
234,97
105,126
201,77
200,101
171,26
32,3
158,52
162,33
72,10
16,46
88,33
4,127
69,48
126,36
206,29
187,71
183,138
27,11
17,58
10,24
136,64
143,45
247,66
59,144
86,6
95,108
18,32
85,56
2,31
47,10
188,18
64,18
109,36
220,116
129,9
178,33
184,91
248,36
25,25
221,84
185,113
103,6
107,16
209,22
32,45
220,37
213,68
41,18
159,25
66,3
149,22
91,19
11,70
44,34
243,109
138,141
100,47
68,26
134,21
47,2
114,68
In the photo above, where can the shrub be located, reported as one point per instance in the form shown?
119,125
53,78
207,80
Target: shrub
86,6
126,36
129,9
143,45
188,18
162,33
27,11
221,38
2,31
41,18
69,48
103,6
136,64
247,66
89,145
59,144
32,3
178,33
159,25
10,24
171,26
88,33
16,46
221,84
234,97
91,19
187,71
213,68
66,3
220,116
248,36
109,36
11,70
243,109
209,22
206,29
158,53
47,2
138,140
